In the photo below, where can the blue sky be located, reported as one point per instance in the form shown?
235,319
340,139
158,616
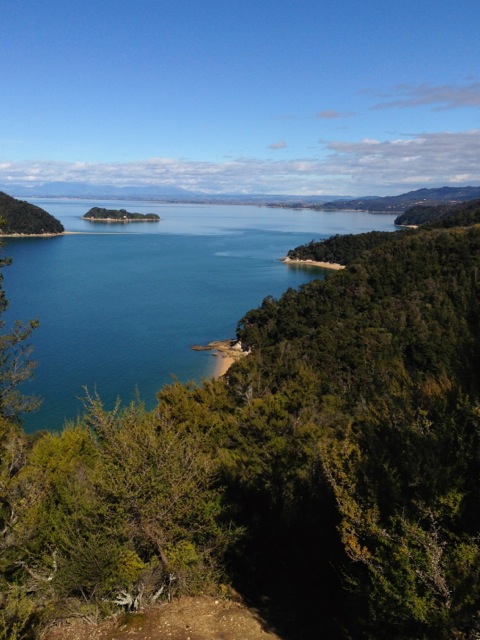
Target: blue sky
343,97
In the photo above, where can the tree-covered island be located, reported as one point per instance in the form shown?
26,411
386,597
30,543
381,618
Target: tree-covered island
99,214
24,219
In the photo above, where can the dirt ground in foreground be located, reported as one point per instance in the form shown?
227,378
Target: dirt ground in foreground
200,618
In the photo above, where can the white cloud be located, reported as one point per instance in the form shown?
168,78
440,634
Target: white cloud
348,168
281,144
333,114
440,98
422,160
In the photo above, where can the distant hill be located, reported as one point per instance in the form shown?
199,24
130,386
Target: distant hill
19,217
443,195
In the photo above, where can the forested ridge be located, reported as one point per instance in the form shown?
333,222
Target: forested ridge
461,214
445,196
23,218
335,469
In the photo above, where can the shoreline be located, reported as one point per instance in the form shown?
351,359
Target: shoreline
222,365
226,352
32,235
58,235
121,220
313,263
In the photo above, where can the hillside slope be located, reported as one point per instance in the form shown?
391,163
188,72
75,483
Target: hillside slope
18,217
460,214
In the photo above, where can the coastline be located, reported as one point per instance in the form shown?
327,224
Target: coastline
58,235
121,220
32,235
313,263
226,352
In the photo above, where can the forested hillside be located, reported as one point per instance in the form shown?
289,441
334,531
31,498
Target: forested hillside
341,249
461,214
334,470
19,217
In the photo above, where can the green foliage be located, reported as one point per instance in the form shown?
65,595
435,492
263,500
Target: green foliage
16,367
401,484
19,615
160,479
19,217
122,508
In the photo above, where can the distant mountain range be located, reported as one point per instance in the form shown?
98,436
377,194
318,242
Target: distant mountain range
171,193
88,190
394,204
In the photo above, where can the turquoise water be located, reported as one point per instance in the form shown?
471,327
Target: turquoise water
121,305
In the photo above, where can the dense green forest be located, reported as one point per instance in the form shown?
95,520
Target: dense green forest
19,217
119,215
463,213
335,469
341,249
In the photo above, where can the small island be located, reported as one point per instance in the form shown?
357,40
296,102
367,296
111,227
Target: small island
20,218
98,214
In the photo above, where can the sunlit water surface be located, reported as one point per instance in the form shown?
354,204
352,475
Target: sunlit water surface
120,305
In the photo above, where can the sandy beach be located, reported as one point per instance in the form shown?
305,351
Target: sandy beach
226,353
313,263
222,364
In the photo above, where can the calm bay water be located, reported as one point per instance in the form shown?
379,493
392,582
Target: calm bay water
121,305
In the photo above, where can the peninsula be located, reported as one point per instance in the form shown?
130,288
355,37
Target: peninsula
19,218
98,214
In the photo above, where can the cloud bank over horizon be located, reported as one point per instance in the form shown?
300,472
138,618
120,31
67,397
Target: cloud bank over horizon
357,168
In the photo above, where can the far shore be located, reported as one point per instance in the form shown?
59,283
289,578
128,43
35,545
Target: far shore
314,263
